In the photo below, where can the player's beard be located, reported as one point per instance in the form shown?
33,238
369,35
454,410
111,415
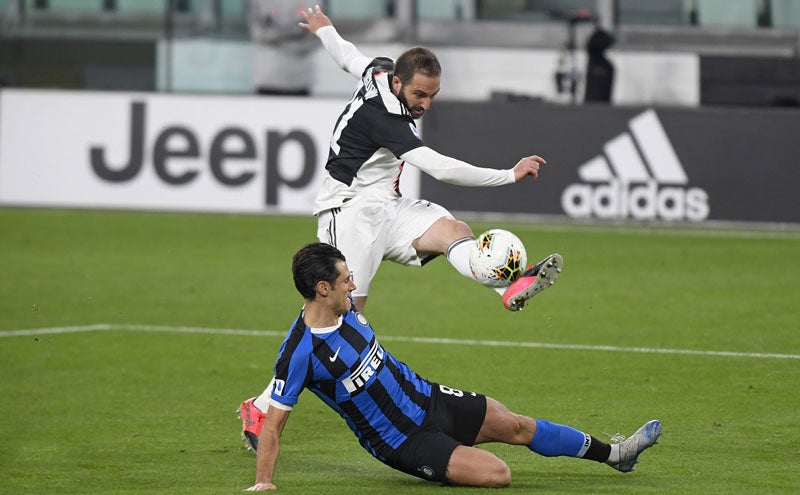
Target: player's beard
417,111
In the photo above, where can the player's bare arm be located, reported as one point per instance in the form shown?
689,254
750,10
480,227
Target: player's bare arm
269,448
528,166
315,19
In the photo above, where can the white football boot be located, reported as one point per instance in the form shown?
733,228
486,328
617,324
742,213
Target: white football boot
630,448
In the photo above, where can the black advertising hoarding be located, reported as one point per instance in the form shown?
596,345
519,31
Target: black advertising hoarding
624,163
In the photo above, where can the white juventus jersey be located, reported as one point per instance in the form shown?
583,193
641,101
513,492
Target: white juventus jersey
372,132
375,136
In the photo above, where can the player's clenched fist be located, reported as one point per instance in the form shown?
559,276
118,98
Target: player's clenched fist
528,166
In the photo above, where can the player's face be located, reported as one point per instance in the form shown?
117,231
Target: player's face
341,289
418,94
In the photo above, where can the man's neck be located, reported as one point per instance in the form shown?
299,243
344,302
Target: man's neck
318,315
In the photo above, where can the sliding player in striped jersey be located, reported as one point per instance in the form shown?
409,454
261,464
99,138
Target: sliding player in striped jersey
414,425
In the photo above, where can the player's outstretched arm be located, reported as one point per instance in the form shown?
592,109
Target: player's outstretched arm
344,53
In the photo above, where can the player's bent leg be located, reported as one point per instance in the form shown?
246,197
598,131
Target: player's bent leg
441,235
502,425
471,466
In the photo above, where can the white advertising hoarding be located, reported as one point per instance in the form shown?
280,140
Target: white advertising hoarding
165,152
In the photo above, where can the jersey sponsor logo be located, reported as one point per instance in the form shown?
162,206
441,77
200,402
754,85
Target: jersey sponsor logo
638,176
369,367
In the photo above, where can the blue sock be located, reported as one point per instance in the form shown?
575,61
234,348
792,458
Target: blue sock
552,440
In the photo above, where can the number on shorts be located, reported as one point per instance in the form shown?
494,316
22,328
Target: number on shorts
451,391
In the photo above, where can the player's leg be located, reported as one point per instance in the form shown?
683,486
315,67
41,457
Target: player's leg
459,416
533,280
253,412
449,232
420,227
357,233
441,235
433,454
431,229
471,466
542,437
553,439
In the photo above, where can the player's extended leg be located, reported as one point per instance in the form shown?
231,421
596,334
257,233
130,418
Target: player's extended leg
552,439
535,279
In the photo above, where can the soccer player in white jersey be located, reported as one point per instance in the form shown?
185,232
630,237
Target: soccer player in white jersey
408,422
360,209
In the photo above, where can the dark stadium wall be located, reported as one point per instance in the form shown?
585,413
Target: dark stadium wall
621,163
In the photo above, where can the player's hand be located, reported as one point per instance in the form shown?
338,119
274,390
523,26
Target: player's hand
262,487
315,19
528,166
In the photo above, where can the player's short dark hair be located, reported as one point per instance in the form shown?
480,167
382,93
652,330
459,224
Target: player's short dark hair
314,263
416,60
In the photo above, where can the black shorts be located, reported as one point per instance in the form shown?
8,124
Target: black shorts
454,418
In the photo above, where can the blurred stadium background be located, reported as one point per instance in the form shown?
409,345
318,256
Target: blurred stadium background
649,110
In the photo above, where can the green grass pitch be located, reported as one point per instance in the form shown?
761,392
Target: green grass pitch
145,402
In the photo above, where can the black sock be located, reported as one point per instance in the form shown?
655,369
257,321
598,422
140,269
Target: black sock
597,451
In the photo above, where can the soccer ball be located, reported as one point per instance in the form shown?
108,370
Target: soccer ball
499,258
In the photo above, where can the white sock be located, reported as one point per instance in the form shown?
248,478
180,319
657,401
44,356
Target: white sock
262,401
458,256
613,458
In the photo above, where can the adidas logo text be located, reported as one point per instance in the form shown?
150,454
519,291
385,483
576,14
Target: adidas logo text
644,184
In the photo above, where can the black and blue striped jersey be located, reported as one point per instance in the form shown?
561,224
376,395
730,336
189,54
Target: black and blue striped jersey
380,397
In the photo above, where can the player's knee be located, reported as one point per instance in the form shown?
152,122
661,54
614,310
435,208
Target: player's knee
498,475
461,229
494,473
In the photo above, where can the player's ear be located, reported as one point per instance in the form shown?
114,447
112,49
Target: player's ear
397,85
323,288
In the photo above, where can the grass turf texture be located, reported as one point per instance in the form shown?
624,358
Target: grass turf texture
133,411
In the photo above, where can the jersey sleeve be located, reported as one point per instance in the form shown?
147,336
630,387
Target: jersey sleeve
453,171
343,52
292,373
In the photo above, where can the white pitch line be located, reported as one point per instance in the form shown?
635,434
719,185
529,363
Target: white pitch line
389,338
56,330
